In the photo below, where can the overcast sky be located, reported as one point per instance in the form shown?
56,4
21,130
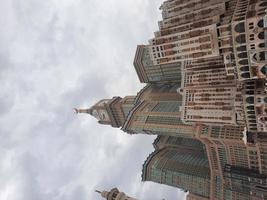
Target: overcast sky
56,55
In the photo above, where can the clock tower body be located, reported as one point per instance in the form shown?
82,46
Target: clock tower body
111,111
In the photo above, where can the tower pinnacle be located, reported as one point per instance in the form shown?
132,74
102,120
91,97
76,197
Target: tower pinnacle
77,111
104,194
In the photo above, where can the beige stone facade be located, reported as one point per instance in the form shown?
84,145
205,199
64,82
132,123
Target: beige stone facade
209,95
255,105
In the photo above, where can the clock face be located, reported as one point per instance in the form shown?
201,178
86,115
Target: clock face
104,115
96,115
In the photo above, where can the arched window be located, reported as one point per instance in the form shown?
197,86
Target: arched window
264,70
260,23
262,45
240,39
240,28
261,35
244,69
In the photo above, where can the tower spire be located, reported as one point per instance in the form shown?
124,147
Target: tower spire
77,111
97,191
104,194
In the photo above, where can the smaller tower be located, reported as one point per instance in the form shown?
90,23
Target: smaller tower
114,194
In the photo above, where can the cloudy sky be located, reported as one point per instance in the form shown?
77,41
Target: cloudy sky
56,55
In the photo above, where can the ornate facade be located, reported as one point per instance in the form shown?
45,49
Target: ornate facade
179,162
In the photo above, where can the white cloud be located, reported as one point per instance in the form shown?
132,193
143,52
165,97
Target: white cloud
55,55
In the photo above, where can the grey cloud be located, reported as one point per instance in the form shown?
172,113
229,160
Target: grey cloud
6,103
55,56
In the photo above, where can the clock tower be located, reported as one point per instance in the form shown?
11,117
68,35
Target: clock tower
110,111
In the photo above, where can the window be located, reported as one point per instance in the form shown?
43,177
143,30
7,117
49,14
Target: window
242,55
240,28
242,48
261,35
260,23
168,106
164,120
250,100
241,39
264,70
244,69
243,62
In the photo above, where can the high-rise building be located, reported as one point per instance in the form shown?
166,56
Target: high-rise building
155,110
178,163
186,35
209,95
226,155
234,29
148,72
158,111
114,194
246,181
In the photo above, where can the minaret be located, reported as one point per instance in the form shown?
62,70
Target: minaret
114,194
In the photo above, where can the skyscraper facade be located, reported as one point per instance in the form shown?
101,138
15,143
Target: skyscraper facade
179,162
210,96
